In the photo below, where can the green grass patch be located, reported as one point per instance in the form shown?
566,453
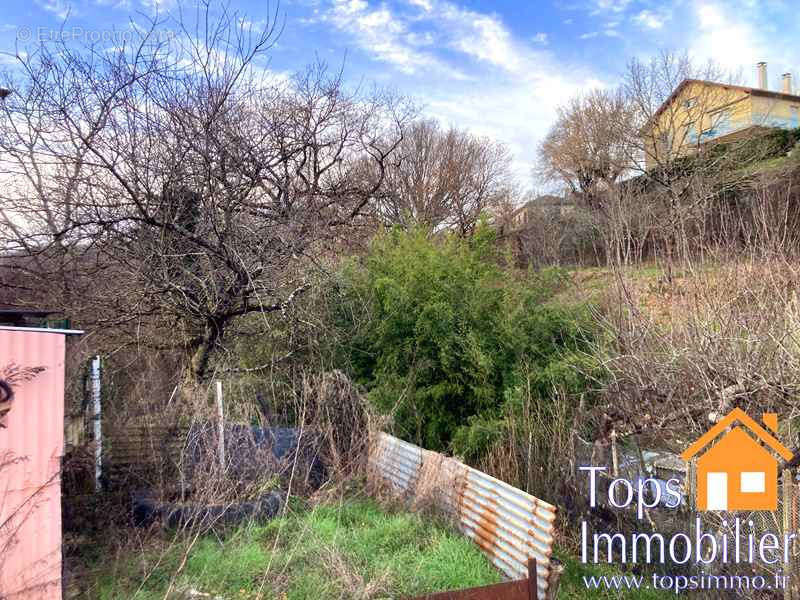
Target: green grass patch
352,550
356,549
573,585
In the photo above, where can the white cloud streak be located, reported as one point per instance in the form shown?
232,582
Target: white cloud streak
381,33
59,8
519,82
650,19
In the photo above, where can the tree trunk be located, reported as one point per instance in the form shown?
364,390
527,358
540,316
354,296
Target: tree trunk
200,354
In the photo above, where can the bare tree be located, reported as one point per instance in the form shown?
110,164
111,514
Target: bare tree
443,179
171,185
588,147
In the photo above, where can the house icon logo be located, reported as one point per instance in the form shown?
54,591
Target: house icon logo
738,471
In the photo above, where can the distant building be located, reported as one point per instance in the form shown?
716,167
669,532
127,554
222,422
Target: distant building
699,112
545,204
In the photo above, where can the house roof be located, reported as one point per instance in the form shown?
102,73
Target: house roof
42,330
747,90
13,311
737,414
541,201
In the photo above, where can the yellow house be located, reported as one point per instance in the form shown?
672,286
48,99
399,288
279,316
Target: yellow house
698,112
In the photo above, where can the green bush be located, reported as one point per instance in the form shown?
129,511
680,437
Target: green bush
437,331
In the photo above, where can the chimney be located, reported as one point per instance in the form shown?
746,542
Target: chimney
787,83
771,421
762,75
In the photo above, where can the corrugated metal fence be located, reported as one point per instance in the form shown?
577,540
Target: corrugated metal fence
509,525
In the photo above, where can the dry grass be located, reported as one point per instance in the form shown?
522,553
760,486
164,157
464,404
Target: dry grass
721,336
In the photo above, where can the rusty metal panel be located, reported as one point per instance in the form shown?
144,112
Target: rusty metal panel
510,590
30,461
509,525
520,589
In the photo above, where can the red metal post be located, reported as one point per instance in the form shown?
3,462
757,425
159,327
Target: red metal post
533,580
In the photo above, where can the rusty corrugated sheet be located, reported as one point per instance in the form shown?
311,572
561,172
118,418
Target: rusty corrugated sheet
509,590
30,461
509,525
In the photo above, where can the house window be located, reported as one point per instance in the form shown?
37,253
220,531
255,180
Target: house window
664,144
691,133
720,124
752,482
691,102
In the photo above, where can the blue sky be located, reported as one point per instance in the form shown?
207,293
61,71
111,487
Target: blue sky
496,68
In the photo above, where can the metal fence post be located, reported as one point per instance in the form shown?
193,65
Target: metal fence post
97,424
221,425
533,580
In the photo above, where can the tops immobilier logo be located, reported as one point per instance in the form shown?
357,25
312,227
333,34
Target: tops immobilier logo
738,471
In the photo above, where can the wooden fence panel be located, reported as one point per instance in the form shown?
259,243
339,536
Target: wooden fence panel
133,453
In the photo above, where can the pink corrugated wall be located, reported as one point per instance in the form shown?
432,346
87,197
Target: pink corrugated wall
30,484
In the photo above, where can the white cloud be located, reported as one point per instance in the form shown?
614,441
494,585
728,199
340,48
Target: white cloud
388,34
483,37
610,6
589,35
650,20
541,38
118,4
720,37
380,32
610,29
158,5
59,8
425,5
254,26
736,34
